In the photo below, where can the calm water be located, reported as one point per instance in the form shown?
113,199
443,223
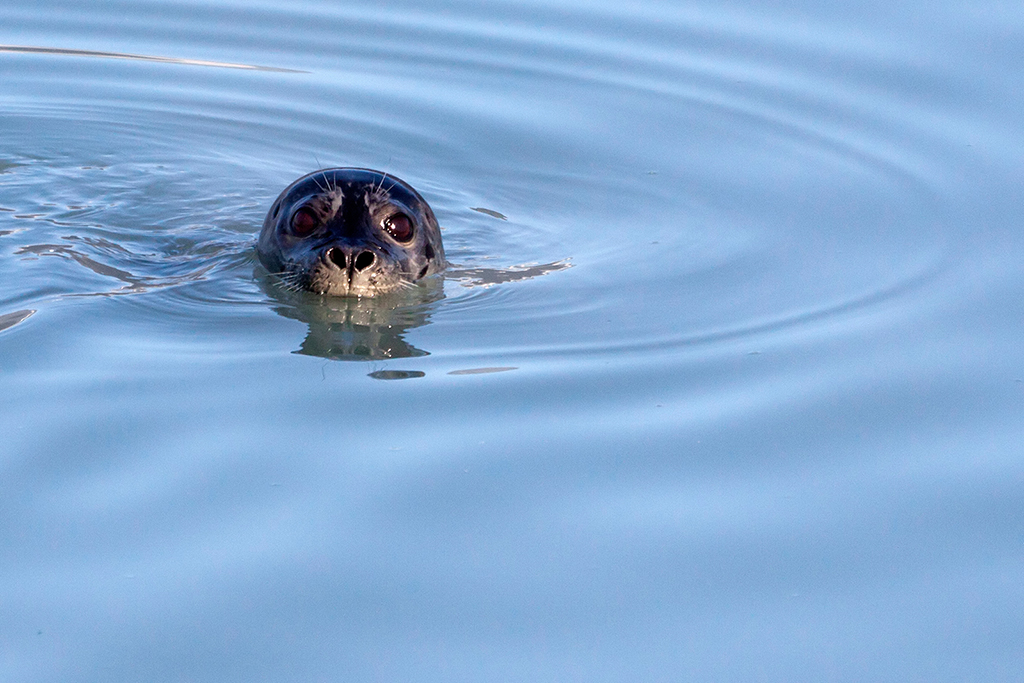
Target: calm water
724,384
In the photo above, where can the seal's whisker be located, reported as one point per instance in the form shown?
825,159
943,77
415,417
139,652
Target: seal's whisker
380,187
288,280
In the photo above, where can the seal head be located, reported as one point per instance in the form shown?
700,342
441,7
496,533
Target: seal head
350,232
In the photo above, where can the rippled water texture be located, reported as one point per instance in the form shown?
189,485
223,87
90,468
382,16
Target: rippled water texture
724,381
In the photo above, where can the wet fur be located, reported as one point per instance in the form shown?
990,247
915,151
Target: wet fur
350,206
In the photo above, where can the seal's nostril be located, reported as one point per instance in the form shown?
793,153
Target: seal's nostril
337,256
364,260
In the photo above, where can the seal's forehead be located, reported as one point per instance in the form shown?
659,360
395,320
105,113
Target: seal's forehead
355,182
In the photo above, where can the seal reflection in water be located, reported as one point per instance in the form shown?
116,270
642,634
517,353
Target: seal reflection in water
350,232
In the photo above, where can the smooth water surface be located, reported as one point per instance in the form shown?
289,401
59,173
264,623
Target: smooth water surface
724,382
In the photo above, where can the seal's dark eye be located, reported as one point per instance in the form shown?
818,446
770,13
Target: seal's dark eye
399,226
304,222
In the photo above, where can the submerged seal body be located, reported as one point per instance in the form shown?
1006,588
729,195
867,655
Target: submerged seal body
350,232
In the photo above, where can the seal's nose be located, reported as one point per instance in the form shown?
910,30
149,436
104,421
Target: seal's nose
342,258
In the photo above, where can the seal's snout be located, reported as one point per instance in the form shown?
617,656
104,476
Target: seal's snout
360,260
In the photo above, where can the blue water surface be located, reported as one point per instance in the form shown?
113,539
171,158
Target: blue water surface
725,381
